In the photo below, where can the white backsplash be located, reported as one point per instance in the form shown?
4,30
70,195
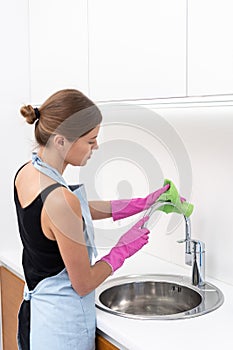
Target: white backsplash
206,133
207,137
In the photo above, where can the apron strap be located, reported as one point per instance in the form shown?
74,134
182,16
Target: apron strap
79,192
27,294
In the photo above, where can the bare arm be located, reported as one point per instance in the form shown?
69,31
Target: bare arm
100,209
65,222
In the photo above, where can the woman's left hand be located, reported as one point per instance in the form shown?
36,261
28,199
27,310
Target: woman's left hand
124,208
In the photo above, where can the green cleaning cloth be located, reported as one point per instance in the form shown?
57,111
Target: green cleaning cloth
172,196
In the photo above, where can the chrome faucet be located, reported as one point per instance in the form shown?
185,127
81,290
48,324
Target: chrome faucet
188,253
194,249
194,255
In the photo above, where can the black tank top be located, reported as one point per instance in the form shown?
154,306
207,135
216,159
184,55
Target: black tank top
41,256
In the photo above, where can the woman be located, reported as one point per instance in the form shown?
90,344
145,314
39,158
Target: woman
55,225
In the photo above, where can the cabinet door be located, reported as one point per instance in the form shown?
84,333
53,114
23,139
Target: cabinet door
210,50
58,47
11,298
137,49
103,344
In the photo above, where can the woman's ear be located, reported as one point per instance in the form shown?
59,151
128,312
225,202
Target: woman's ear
59,141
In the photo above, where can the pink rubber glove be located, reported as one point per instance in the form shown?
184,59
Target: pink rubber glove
122,208
131,242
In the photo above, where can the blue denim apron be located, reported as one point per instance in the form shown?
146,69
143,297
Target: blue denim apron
60,319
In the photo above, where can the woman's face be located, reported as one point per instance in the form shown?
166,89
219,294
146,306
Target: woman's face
81,150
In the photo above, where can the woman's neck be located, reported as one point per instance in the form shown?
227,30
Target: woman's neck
52,158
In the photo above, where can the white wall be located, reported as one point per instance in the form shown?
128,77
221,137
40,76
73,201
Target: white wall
15,140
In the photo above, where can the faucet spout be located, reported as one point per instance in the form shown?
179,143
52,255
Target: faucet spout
188,253
194,249
187,241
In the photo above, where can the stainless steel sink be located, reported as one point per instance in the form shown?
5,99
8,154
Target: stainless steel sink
157,297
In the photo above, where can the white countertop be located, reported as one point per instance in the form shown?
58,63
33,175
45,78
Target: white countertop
210,330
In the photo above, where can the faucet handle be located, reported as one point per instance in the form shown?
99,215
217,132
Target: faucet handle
198,246
182,240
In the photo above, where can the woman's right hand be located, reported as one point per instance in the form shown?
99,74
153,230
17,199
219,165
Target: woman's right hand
130,243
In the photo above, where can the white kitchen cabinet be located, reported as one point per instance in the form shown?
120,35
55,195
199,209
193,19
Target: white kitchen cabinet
58,47
137,49
210,50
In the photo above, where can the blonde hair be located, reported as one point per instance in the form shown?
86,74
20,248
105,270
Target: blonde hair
67,112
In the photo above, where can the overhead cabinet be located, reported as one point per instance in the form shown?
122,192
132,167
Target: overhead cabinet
210,49
58,47
137,49
129,50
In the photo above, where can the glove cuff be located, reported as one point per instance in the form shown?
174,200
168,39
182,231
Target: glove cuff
114,259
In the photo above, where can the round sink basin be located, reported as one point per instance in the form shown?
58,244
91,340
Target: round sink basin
157,297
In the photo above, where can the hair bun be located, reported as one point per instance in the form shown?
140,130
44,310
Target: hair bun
29,114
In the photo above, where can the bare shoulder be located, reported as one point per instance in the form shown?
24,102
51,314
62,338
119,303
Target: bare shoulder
29,183
28,174
63,217
63,201
25,171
